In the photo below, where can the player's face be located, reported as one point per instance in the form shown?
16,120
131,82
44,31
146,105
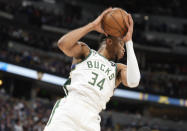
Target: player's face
118,46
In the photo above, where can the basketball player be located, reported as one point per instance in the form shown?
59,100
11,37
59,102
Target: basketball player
93,77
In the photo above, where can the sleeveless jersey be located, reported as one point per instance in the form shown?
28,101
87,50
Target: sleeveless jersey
94,78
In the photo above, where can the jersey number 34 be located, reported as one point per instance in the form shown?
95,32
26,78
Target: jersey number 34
94,81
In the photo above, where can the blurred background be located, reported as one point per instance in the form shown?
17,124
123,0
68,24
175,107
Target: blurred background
33,69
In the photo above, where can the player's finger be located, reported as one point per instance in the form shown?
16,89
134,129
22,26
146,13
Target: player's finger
127,22
102,31
106,34
106,11
130,19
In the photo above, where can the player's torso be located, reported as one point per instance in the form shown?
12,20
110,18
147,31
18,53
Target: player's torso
94,78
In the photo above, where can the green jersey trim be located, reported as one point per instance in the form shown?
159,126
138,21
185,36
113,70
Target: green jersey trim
53,111
68,82
116,73
85,57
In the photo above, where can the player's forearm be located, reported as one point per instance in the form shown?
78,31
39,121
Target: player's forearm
70,39
132,73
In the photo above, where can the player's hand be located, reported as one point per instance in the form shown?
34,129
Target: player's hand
97,22
130,24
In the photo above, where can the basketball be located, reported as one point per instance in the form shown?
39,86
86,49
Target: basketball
114,23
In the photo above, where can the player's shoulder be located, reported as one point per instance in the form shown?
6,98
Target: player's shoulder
85,50
85,53
83,45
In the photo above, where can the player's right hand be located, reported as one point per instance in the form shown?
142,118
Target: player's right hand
97,22
130,26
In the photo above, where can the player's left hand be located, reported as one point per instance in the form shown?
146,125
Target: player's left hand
97,22
130,24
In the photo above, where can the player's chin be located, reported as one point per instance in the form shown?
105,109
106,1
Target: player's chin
120,56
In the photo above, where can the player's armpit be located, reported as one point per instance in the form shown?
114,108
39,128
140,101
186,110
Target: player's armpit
79,50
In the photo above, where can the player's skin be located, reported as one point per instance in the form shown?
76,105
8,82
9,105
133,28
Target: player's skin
114,47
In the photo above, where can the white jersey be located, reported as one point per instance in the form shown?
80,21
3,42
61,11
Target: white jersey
94,79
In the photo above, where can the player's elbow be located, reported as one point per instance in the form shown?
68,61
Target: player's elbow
60,44
134,83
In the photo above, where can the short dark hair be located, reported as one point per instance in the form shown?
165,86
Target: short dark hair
103,38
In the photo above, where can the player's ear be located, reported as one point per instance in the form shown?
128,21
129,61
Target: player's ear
109,41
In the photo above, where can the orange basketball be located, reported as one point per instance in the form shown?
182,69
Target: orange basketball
114,23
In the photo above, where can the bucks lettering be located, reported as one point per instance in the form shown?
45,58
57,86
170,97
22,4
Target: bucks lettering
98,65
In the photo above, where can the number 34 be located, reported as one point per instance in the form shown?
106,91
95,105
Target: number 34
94,80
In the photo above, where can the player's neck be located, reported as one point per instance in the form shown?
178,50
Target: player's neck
105,54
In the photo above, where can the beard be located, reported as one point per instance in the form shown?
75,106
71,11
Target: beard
116,59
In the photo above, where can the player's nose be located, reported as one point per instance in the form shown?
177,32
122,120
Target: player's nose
123,50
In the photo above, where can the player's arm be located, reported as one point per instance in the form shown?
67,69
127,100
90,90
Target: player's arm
130,75
69,42
121,74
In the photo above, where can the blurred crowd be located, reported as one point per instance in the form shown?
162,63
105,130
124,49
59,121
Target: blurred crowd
162,84
71,13
153,23
23,115
166,8
19,114
34,61
70,16
27,37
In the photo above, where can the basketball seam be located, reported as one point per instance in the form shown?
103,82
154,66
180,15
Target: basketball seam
125,27
114,28
116,21
110,26
123,20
